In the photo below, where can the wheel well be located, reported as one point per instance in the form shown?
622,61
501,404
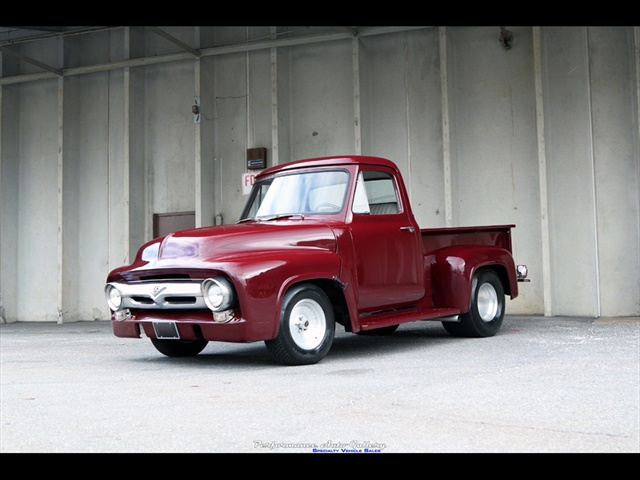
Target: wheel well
338,301
501,272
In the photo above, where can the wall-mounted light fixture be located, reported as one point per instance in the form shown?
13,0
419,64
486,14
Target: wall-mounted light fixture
506,38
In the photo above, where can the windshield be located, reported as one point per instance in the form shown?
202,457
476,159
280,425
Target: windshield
298,194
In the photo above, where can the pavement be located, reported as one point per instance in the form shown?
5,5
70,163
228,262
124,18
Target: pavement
541,385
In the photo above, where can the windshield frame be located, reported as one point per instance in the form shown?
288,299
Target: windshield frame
301,187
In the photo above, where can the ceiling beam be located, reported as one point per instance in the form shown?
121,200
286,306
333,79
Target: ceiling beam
174,40
223,50
32,61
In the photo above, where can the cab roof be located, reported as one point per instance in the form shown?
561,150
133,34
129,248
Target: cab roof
329,161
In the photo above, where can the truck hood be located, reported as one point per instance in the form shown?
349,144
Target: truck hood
229,242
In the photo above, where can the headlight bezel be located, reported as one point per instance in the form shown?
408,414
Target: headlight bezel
113,297
218,294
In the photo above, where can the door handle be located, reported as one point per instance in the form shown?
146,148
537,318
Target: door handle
410,228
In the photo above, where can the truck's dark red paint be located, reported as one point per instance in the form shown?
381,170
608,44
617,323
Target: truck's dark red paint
311,253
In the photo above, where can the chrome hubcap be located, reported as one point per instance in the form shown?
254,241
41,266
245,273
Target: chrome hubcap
487,302
308,324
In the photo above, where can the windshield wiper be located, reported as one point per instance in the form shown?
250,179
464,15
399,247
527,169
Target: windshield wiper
272,218
282,215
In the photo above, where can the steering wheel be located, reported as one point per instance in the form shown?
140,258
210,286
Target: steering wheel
327,207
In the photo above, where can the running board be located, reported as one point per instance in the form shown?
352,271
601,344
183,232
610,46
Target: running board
387,318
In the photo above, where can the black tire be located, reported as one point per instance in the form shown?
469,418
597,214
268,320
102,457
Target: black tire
484,319
307,327
179,348
376,332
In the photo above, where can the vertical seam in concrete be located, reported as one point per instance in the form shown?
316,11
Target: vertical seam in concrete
247,66
197,147
148,166
542,174
405,67
357,129
637,146
126,154
60,239
274,103
197,140
446,139
108,153
637,62
594,188
2,315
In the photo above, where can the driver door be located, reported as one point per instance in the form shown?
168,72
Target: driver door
387,244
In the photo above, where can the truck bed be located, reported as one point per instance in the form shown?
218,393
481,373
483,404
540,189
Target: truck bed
490,235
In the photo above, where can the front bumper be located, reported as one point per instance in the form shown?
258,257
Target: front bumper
191,325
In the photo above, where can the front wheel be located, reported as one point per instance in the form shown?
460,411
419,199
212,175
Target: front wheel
307,327
484,319
179,348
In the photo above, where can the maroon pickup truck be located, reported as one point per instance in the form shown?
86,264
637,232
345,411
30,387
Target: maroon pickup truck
319,242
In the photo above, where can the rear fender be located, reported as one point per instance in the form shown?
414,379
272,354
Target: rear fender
453,268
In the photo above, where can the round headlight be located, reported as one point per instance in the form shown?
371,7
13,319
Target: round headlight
114,298
218,293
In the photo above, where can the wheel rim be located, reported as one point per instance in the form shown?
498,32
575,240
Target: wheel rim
487,302
308,324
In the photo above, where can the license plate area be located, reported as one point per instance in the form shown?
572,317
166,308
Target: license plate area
166,330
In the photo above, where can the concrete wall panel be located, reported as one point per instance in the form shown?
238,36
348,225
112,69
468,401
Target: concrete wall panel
130,148
9,200
85,199
570,172
282,105
616,168
37,206
227,123
320,104
210,180
494,163
384,98
169,136
140,182
425,178
260,87
117,163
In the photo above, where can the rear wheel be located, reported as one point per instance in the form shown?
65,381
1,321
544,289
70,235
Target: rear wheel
307,327
484,319
179,348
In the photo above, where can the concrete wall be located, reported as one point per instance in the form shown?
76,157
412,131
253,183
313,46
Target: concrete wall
544,135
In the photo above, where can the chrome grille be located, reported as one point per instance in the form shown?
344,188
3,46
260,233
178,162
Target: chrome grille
161,295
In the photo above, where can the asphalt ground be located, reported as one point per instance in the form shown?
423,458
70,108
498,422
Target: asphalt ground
541,385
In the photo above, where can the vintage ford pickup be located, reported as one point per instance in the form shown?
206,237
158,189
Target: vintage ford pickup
320,241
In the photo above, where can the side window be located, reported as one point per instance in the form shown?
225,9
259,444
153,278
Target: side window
375,194
361,202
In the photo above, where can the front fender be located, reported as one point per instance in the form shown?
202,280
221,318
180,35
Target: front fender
261,282
453,268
